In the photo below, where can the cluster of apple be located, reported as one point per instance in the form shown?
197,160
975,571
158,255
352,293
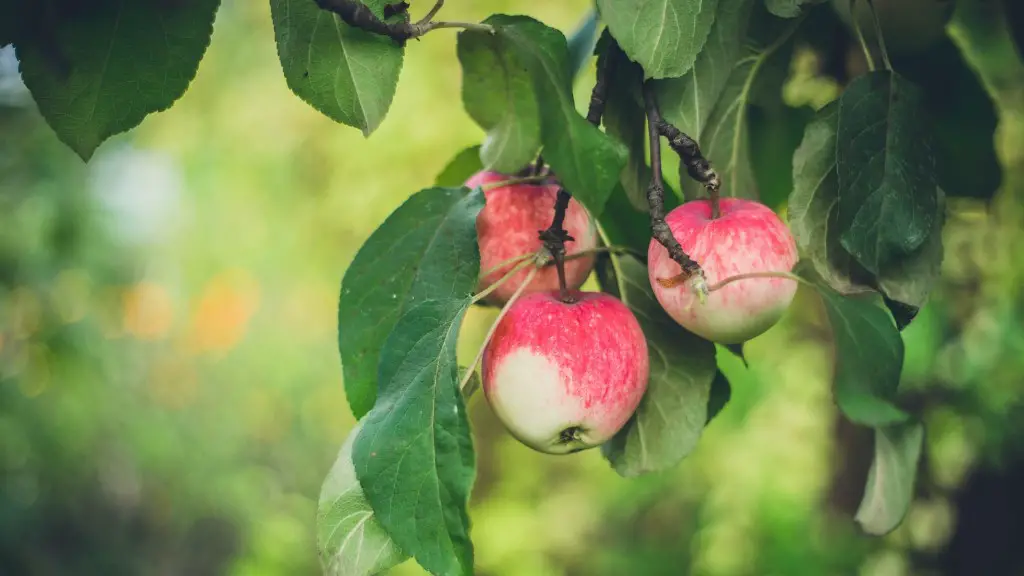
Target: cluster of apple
564,375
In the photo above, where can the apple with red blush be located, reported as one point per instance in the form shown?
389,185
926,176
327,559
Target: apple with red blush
508,227
565,375
747,238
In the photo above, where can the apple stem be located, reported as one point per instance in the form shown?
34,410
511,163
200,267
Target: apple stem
749,275
697,166
660,230
554,239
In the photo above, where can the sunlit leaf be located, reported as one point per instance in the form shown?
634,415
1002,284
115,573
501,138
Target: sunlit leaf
581,42
459,169
890,486
789,8
663,36
101,68
348,74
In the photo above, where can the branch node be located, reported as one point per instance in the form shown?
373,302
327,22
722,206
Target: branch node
554,239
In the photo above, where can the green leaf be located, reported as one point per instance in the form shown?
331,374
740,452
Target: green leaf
350,539
789,8
868,356
890,486
775,135
721,393
581,43
411,257
625,119
497,92
674,410
100,71
347,74
588,162
414,457
663,36
460,168
625,225
813,217
887,199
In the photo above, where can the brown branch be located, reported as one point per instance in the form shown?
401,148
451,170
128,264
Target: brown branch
358,15
599,95
554,239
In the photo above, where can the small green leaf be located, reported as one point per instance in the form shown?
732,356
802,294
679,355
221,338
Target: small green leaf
414,457
100,71
348,74
721,393
775,135
813,216
497,92
868,356
626,225
588,161
581,43
789,8
411,257
674,410
350,539
887,199
460,168
663,36
625,119
890,486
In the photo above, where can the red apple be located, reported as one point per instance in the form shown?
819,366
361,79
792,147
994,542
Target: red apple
564,377
746,237
508,226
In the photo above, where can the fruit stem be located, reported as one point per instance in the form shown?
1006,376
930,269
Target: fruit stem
554,239
749,275
494,326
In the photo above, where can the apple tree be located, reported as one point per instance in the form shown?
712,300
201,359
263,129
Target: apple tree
556,193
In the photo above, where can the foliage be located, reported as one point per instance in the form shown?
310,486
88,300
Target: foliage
871,179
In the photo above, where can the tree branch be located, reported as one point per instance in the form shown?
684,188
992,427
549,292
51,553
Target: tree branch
598,96
358,15
554,239
697,166
660,230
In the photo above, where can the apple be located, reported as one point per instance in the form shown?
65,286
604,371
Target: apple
509,225
564,377
746,237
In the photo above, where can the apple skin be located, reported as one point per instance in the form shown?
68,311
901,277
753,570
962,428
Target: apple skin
508,227
747,237
565,377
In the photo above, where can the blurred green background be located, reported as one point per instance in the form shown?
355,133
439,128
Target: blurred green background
171,395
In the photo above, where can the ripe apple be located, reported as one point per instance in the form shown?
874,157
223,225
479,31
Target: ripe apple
564,377
508,227
746,237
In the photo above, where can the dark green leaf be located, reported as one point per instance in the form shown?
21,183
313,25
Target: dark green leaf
963,119
887,199
414,456
348,74
813,215
721,392
99,71
775,135
581,43
588,162
460,168
868,356
890,486
625,119
413,256
737,351
497,92
789,8
350,539
673,412
663,36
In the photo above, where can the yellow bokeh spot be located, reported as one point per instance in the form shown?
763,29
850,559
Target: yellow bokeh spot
172,383
147,311
221,317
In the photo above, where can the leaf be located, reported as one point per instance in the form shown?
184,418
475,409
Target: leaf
663,36
350,539
497,92
887,199
100,71
624,119
460,168
588,162
411,257
721,393
581,43
813,216
414,457
868,356
725,138
674,410
774,137
347,74
890,486
789,8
